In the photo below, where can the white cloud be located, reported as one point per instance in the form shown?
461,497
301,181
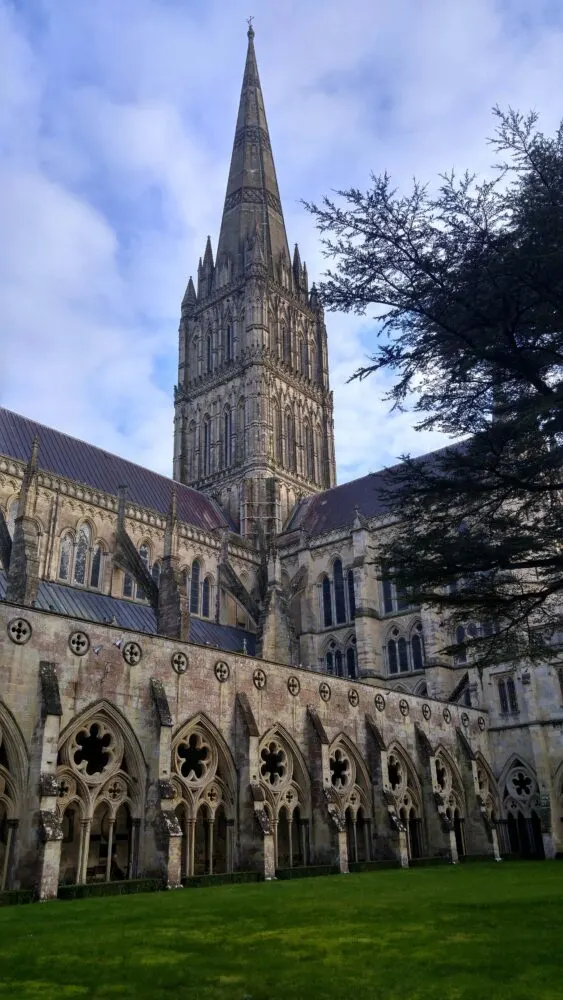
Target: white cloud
116,122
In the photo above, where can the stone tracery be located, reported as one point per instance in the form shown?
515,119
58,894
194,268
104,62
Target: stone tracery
204,795
100,800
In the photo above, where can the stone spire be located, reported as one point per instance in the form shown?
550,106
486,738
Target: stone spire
253,199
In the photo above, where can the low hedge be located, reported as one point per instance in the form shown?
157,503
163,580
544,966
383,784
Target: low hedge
373,866
126,888
224,878
427,862
307,871
14,897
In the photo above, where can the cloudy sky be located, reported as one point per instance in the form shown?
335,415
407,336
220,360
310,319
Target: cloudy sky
116,124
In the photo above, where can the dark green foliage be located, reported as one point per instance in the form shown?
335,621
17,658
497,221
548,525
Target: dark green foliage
469,282
441,933
306,871
226,878
372,866
126,888
13,897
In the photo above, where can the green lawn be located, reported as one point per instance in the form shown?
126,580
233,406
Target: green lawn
480,931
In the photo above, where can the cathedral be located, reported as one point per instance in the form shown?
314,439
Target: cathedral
208,674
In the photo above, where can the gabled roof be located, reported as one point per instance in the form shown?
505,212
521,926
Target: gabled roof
336,508
90,606
74,459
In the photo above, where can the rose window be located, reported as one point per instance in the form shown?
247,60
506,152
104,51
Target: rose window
193,758
274,761
93,753
395,773
340,767
521,784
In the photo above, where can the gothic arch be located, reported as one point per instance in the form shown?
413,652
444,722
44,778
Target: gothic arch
204,783
101,774
200,722
11,735
450,781
488,789
132,747
297,775
359,781
13,771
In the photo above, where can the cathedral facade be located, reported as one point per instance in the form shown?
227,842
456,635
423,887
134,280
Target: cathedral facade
208,673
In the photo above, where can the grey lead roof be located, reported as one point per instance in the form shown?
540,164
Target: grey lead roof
93,607
74,459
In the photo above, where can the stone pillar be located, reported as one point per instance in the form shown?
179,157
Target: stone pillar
454,856
269,857
403,848
343,852
50,830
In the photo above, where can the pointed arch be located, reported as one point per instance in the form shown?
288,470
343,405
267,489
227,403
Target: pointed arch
278,732
362,778
411,774
101,775
442,753
135,756
16,749
202,721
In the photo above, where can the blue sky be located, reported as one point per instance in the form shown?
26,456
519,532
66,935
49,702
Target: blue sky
116,124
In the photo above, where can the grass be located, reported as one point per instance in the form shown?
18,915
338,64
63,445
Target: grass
453,933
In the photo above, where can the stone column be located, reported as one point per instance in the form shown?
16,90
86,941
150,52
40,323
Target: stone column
50,830
403,848
343,851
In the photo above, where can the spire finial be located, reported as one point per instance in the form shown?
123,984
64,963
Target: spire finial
250,31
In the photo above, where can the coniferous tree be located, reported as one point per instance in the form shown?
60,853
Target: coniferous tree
470,279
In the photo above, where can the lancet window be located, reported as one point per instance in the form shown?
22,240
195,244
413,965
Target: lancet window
79,561
405,653
227,437
337,596
206,445
508,698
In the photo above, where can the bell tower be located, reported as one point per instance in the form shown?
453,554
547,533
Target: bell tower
253,408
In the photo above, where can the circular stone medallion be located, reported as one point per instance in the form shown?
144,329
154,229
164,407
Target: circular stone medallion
132,653
324,691
222,671
179,662
293,686
353,697
404,706
259,678
447,715
19,631
79,643
426,711
379,702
